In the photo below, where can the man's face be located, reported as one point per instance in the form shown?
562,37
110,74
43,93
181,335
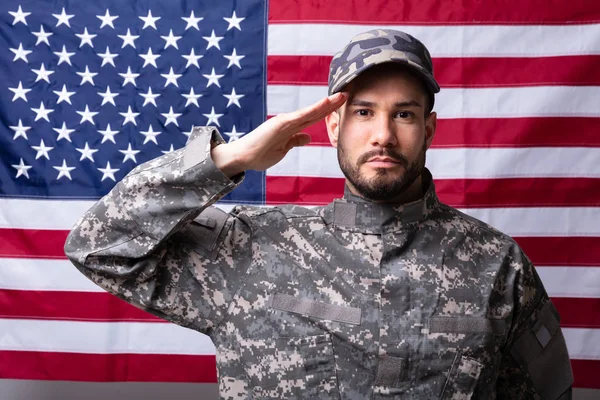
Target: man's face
382,134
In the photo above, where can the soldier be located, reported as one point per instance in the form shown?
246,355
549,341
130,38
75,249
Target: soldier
385,293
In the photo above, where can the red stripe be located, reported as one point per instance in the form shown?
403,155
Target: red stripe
562,251
104,307
578,312
72,306
458,72
586,373
32,243
501,132
461,193
160,368
107,367
429,12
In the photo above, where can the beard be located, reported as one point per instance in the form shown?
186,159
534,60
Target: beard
385,185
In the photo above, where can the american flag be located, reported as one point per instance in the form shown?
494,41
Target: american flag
89,90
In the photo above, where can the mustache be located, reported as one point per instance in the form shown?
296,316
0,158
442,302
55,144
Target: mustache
399,158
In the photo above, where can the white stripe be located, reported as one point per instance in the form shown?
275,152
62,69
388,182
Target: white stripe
153,338
49,214
61,275
445,41
583,343
461,163
497,102
102,337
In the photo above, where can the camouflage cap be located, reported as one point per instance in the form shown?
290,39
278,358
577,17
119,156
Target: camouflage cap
379,46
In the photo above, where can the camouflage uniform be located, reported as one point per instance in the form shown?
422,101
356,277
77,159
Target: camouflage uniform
354,300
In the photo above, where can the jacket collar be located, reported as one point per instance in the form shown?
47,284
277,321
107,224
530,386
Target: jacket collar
357,214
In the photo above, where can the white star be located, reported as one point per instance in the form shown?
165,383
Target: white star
171,77
42,112
87,115
86,38
108,97
107,19
234,98
130,116
87,76
234,59
234,22
234,135
150,58
189,132
42,36
128,39
192,98
63,18
149,97
19,92
42,150
129,154
63,95
171,40
42,73
108,134
108,172
86,152
213,78
171,149
192,59
107,58
22,169
149,20
150,135
171,117
63,56
20,53
212,117
64,133
129,77
20,130
19,16
192,21
213,41
64,170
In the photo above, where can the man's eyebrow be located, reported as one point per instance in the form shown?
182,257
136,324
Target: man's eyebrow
399,104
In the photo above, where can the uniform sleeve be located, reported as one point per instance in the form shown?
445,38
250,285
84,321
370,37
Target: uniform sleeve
535,364
156,242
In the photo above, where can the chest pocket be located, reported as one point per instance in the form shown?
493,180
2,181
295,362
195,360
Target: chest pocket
291,368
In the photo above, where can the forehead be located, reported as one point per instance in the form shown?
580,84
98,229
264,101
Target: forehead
387,79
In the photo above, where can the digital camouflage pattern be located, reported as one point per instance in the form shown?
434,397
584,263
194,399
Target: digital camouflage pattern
353,300
378,46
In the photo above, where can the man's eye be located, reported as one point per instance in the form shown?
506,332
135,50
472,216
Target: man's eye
404,114
362,113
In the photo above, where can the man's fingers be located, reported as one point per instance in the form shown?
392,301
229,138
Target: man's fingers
317,111
297,140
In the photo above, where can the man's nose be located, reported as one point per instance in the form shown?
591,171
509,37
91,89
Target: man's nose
384,133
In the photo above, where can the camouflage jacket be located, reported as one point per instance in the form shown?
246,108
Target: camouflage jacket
353,300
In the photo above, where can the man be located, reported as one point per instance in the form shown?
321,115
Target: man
386,293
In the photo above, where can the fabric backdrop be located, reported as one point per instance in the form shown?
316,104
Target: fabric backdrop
88,90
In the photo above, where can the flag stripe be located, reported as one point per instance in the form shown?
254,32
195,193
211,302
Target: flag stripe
458,72
107,367
466,12
103,307
461,193
444,40
568,250
32,243
501,132
497,102
102,337
578,312
460,163
60,276
53,366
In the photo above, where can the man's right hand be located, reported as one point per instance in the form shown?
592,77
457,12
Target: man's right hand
270,142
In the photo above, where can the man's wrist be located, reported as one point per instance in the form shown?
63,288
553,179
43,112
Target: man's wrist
227,159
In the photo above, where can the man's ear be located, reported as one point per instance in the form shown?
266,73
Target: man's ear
333,127
430,127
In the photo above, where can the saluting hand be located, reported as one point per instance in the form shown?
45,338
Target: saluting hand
270,142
